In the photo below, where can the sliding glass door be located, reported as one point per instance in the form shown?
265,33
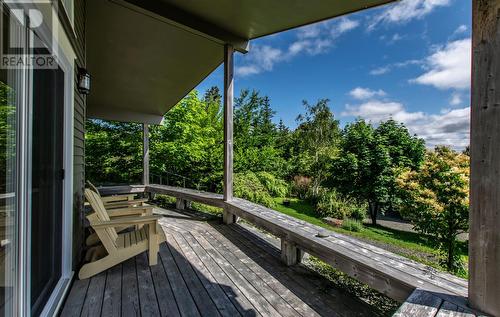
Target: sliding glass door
46,184
33,154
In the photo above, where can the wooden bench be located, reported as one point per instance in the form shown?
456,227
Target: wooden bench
389,273
428,304
184,196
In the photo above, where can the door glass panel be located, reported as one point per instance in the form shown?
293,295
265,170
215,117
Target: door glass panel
47,184
11,99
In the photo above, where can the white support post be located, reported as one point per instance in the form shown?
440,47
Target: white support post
228,217
484,233
145,154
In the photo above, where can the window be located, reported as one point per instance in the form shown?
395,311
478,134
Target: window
68,7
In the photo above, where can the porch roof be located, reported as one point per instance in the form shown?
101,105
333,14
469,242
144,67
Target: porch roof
145,56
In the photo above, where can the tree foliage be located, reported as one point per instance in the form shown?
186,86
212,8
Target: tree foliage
370,159
113,152
317,138
7,137
437,199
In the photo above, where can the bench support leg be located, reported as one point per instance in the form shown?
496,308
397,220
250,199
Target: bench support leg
182,204
290,254
228,217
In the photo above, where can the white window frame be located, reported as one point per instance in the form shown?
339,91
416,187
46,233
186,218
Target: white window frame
66,58
69,7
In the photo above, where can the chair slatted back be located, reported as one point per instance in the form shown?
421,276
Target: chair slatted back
101,213
109,244
92,187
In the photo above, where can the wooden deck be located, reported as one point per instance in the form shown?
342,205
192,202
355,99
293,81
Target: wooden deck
209,269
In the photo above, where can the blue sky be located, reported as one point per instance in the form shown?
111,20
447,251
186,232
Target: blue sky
409,60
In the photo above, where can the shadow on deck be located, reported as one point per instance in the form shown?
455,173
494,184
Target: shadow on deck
209,269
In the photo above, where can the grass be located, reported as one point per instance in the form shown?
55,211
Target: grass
413,245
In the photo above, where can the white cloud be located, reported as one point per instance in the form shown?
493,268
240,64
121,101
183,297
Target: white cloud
387,68
380,70
448,67
460,30
456,99
395,38
345,24
366,93
262,58
247,70
312,40
450,127
406,10
376,111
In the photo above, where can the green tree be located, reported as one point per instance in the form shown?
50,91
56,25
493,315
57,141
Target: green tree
7,137
317,137
363,167
189,142
113,152
405,151
371,160
437,199
255,136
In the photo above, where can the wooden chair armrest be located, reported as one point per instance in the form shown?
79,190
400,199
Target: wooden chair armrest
126,221
108,199
131,210
125,202
125,212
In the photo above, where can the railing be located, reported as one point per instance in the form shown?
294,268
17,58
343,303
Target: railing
391,274
169,178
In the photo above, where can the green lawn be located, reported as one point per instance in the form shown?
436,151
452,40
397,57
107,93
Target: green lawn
413,245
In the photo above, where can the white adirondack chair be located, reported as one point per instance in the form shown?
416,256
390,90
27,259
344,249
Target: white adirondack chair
120,247
119,201
114,213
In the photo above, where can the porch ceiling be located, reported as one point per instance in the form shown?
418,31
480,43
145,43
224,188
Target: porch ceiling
144,56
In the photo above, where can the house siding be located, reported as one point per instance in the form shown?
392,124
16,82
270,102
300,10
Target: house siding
79,136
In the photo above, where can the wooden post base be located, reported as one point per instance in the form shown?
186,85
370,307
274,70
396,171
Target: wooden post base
290,254
182,204
228,217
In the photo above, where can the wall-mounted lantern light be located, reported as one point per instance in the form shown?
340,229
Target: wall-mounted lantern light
83,81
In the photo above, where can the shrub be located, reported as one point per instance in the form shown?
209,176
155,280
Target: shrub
300,186
216,211
358,212
352,225
164,200
248,186
329,203
275,186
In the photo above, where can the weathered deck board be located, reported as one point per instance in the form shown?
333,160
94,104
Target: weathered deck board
200,295
130,292
112,302
294,278
93,300
167,304
76,298
185,302
238,299
207,269
223,304
147,295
